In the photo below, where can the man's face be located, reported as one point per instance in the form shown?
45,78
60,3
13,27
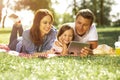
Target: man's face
82,25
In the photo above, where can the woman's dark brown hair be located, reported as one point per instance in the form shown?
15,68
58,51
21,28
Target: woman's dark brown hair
35,33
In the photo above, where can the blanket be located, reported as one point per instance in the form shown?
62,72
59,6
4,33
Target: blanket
47,54
101,49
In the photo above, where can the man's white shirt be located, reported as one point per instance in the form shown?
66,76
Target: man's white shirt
90,35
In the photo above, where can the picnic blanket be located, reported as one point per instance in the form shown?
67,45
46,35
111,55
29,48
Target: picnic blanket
101,49
47,54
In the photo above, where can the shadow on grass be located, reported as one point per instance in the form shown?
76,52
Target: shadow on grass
108,37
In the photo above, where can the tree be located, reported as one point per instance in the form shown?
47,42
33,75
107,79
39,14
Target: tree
1,6
32,4
101,9
26,4
6,13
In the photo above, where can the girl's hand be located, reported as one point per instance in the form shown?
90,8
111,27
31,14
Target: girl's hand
65,50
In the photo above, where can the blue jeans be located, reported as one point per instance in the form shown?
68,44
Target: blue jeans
17,28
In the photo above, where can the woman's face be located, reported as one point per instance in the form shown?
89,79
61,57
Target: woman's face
82,25
45,25
66,37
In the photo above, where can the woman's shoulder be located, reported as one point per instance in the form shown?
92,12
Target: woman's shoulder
26,32
53,30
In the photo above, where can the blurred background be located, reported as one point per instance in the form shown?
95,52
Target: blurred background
107,12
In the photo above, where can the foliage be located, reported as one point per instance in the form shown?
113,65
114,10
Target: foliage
101,9
116,23
68,18
63,18
32,4
1,6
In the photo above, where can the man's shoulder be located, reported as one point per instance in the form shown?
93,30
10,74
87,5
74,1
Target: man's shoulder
93,26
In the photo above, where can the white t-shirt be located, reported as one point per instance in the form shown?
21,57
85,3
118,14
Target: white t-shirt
90,35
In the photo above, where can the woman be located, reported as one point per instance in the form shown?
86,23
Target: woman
40,36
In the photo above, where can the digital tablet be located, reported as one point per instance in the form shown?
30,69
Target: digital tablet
75,47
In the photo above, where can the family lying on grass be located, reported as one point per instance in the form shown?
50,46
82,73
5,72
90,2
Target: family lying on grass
42,39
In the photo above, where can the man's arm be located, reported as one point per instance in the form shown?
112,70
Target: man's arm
93,44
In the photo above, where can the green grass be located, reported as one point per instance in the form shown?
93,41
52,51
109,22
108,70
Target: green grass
60,68
102,67
4,35
108,35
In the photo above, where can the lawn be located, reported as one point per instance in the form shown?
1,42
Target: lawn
97,67
4,35
108,35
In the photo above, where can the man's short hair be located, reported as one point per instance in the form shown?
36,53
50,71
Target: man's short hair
86,13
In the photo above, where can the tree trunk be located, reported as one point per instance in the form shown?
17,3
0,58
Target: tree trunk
4,18
3,23
84,3
75,6
95,9
101,12
1,6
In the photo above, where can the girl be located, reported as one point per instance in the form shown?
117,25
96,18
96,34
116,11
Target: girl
61,44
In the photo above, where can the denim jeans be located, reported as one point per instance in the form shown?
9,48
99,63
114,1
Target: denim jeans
17,30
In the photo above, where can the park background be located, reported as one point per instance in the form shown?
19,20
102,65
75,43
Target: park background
107,13
98,67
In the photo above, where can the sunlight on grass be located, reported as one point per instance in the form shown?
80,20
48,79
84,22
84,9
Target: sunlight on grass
60,68
108,29
102,67
4,35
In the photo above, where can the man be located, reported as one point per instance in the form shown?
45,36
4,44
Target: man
84,29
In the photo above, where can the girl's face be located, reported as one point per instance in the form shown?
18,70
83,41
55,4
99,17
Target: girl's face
45,25
67,36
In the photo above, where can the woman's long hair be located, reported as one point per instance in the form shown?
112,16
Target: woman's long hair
35,33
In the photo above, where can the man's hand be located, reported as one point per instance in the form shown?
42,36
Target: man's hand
86,51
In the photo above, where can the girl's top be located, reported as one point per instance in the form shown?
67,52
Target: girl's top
57,48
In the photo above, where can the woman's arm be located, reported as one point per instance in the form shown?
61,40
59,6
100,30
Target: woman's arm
28,45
